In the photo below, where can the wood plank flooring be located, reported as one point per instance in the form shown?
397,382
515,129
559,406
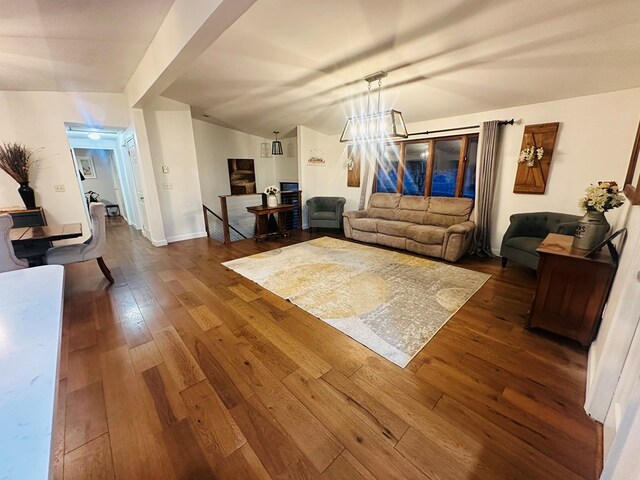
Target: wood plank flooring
186,370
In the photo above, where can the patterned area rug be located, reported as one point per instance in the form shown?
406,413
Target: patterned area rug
391,302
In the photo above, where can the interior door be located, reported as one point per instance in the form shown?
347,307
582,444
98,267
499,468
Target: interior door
132,153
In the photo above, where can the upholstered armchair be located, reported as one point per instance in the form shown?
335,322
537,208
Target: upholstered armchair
92,249
325,212
8,259
527,230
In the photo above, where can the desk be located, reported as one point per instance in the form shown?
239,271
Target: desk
572,289
262,219
30,331
47,233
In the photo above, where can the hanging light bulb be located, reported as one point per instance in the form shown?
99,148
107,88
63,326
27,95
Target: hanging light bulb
374,126
276,145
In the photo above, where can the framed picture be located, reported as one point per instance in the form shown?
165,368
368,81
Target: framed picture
265,150
242,176
85,163
632,180
316,157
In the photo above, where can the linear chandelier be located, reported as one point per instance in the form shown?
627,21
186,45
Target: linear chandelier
377,125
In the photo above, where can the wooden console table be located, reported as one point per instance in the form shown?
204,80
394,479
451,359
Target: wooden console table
572,289
262,219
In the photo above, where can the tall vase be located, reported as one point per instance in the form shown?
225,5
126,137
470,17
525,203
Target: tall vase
28,195
592,229
272,201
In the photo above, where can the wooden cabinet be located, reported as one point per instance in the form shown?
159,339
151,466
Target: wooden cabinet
571,290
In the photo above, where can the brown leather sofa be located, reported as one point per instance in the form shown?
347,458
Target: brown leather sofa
434,226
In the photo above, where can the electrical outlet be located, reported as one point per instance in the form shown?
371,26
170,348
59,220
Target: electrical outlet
165,169
167,186
58,188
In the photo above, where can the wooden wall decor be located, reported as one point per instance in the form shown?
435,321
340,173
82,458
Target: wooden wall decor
632,180
534,179
353,171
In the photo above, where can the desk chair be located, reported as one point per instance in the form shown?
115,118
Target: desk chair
8,259
91,249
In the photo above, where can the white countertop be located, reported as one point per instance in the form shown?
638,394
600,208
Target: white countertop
30,328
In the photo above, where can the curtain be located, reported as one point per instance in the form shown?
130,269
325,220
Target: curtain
485,179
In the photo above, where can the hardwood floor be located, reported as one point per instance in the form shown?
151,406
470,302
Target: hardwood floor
184,369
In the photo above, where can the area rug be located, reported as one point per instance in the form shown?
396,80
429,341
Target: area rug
391,302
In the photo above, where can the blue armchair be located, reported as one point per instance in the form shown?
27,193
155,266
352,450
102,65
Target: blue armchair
325,212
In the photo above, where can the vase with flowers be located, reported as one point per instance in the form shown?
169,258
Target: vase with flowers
17,161
593,227
271,191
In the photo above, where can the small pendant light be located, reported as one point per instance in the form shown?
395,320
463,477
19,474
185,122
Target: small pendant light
276,145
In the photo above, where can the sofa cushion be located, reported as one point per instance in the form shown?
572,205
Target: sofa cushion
365,224
392,241
429,234
527,244
444,211
384,205
412,209
395,228
384,200
324,215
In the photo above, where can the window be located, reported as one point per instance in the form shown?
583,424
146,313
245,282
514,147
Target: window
387,170
443,167
415,168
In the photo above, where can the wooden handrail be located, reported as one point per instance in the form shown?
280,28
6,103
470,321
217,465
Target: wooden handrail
206,209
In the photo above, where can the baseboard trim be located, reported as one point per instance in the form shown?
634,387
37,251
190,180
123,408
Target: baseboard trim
159,243
188,236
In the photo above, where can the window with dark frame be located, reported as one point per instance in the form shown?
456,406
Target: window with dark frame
444,167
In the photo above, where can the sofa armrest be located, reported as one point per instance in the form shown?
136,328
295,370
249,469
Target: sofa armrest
567,228
352,215
356,214
457,240
462,228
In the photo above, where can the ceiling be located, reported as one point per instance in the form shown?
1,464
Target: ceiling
75,45
288,62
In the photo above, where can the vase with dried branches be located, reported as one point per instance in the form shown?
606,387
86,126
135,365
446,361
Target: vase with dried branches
16,160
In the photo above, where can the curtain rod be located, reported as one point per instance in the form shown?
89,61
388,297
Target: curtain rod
427,132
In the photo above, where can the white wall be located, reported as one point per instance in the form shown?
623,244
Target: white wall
37,120
214,145
594,143
171,142
286,166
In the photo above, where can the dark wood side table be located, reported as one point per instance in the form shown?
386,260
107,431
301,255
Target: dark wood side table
262,219
32,251
572,289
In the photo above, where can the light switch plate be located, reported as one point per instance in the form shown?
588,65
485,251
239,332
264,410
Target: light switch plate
58,188
165,169
167,186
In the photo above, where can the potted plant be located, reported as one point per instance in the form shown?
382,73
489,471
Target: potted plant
16,160
271,191
593,227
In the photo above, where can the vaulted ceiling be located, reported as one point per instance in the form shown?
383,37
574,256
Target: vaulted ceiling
75,45
288,62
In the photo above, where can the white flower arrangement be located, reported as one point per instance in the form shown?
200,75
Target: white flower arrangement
271,190
601,197
530,154
349,163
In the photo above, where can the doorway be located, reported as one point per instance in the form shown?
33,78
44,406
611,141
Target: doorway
104,172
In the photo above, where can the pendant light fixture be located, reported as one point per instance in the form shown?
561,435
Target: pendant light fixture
276,145
374,125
